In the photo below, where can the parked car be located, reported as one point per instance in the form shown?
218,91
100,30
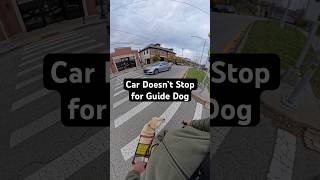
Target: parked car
224,9
157,67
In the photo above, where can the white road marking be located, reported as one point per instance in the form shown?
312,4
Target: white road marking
129,149
132,112
50,44
29,81
29,70
58,51
30,98
120,83
121,101
282,163
45,41
119,92
34,128
50,48
70,162
118,87
198,112
90,48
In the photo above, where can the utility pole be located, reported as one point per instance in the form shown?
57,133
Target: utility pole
204,44
283,21
307,44
182,52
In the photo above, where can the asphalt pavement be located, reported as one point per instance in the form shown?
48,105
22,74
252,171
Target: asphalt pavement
34,143
129,117
224,28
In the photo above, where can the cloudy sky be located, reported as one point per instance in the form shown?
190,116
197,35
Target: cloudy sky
138,23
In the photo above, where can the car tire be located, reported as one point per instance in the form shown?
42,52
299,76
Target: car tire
156,71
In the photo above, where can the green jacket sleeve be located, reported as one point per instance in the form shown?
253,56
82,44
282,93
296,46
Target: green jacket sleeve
133,175
202,125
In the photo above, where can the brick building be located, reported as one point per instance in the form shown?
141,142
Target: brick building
18,16
123,58
148,53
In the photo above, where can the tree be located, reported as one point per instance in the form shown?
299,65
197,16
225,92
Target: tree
156,57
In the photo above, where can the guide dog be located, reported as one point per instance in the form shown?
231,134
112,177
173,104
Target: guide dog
147,134
148,131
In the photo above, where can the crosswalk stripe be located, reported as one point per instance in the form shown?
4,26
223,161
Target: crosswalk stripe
129,149
198,112
29,81
57,51
90,48
70,162
120,81
45,50
118,87
121,101
119,92
28,99
132,112
282,163
29,70
45,41
34,128
51,43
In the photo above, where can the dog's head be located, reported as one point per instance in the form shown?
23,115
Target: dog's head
155,122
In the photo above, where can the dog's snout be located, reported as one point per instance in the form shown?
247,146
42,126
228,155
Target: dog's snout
163,119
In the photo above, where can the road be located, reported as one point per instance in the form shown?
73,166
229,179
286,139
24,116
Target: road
128,118
225,27
261,152
34,143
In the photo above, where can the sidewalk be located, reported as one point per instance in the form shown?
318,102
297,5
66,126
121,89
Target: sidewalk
307,112
25,38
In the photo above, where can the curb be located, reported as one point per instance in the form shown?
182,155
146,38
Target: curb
197,97
233,46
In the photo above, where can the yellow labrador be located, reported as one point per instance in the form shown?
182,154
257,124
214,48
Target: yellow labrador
149,129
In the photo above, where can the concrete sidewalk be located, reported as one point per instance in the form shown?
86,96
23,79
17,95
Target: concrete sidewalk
307,112
23,39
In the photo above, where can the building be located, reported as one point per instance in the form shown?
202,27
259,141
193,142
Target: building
148,53
124,58
18,16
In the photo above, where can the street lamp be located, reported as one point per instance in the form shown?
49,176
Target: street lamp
204,44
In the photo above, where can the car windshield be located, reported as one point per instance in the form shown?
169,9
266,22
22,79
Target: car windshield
156,63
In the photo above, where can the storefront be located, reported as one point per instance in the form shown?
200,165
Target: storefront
124,58
125,63
40,13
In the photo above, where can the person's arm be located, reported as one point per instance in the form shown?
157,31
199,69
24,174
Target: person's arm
202,124
133,175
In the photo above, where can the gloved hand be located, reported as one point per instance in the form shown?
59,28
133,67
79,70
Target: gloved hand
139,166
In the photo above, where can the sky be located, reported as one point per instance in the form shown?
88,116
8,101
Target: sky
138,23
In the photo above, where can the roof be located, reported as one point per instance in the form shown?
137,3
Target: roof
157,46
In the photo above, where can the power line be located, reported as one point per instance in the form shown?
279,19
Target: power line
127,4
191,6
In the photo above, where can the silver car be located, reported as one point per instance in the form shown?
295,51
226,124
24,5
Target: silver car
157,67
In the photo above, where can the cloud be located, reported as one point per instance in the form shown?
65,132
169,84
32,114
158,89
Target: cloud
138,23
